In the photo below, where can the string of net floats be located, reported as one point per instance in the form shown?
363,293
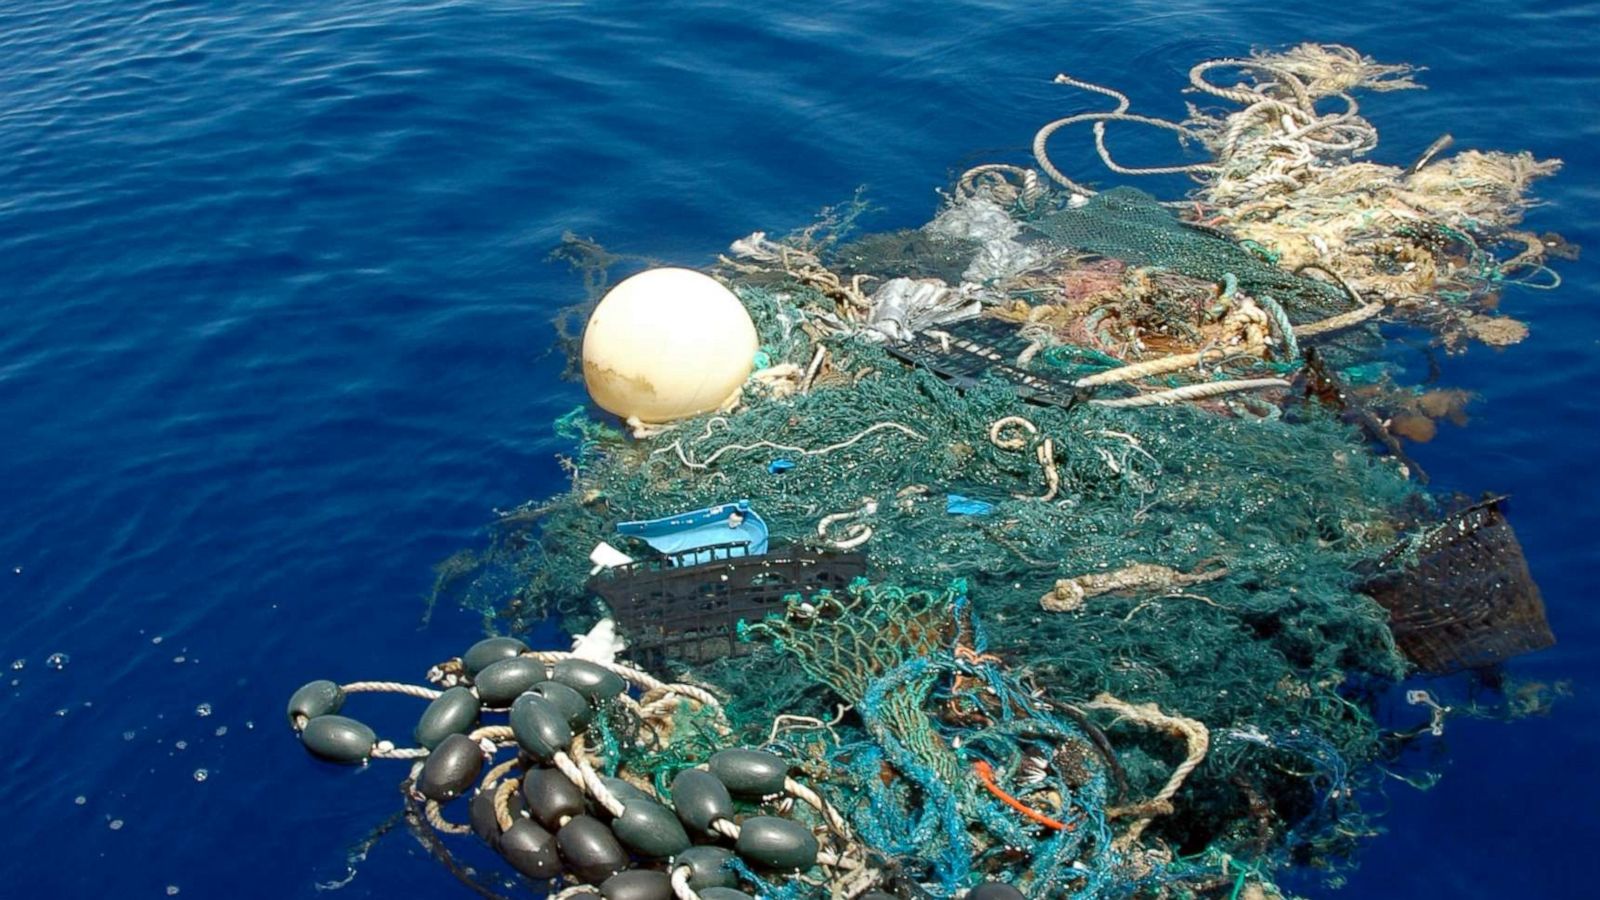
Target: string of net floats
1113,640
618,784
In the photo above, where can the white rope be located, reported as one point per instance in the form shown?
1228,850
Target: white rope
654,689
583,775
814,800
500,734
677,446
1160,366
1010,443
680,884
815,367
1192,392
391,687
386,750
436,818
856,534
1045,452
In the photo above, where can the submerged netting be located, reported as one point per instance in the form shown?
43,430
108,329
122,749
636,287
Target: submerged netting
1142,550
943,716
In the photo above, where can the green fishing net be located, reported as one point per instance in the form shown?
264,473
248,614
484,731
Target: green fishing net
1128,224
1268,652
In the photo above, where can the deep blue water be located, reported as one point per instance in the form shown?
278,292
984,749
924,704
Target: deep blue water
276,338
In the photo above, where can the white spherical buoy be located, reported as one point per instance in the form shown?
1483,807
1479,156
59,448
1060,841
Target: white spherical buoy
667,344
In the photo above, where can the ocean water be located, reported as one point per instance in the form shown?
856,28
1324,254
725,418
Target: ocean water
275,338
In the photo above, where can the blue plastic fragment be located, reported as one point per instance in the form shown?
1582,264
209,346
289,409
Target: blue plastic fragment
779,466
957,505
725,523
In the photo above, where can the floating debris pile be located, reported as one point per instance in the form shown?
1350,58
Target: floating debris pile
1066,546
1435,241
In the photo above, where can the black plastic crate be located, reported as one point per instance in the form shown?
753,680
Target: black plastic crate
1460,595
691,613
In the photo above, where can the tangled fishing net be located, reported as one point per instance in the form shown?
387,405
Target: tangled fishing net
1100,550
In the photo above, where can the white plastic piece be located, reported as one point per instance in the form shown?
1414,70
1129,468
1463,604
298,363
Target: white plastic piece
601,644
902,307
605,556
667,344
976,219
998,260
987,222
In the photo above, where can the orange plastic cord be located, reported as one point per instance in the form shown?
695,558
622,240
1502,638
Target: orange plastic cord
970,655
985,774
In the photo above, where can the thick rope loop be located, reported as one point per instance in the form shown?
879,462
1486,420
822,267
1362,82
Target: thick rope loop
1197,740
1008,432
436,818
855,533
1013,441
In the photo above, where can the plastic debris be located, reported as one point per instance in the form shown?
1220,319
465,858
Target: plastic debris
733,524
957,505
904,306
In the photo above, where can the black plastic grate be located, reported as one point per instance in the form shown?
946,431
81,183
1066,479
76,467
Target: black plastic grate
967,351
1460,595
691,612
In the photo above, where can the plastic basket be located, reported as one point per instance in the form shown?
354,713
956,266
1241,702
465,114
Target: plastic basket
1460,595
678,607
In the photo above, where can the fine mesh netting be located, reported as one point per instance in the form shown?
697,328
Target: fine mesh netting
1127,224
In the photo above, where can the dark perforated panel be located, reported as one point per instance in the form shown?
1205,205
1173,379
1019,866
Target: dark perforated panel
1460,595
690,613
